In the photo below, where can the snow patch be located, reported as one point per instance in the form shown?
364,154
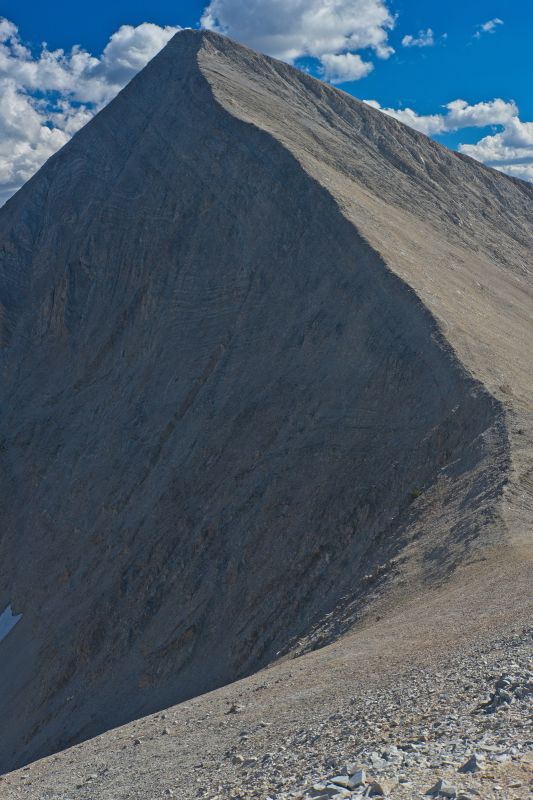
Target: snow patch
8,620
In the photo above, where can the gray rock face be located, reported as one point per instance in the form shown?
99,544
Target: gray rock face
220,408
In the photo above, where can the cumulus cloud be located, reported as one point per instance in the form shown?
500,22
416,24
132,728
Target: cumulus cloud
45,97
331,32
488,27
25,140
522,171
344,67
423,39
458,114
510,150
495,112
428,124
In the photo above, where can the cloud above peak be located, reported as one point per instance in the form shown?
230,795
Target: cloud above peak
331,32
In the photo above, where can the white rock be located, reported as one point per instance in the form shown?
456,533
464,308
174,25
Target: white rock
474,764
341,780
358,778
444,789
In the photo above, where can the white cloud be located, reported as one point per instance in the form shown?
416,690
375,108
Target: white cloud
128,51
25,139
495,112
77,74
459,114
47,96
488,27
523,171
331,31
345,67
510,150
423,39
428,124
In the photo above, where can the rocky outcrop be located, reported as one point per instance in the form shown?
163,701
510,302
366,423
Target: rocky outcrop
223,411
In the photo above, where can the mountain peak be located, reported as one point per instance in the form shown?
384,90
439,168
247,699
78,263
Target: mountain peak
188,38
266,357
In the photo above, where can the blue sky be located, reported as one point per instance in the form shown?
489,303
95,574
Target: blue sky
405,54
493,66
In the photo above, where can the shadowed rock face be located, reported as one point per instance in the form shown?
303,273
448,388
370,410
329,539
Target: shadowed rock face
217,406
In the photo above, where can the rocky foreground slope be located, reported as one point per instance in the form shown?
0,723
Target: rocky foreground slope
401,709
266,375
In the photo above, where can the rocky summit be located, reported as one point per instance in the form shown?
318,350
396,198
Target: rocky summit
266,440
